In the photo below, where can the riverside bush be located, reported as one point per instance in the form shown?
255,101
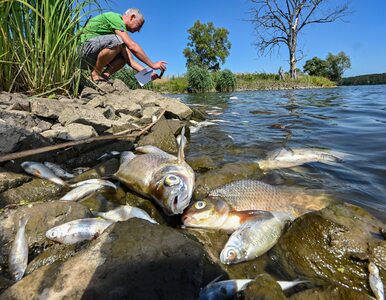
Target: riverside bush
199,80
225,81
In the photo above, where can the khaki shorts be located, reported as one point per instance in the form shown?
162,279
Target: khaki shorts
91,48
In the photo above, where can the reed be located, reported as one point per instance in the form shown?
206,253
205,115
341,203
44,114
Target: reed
39,44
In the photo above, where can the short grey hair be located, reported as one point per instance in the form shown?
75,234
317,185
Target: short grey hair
136,12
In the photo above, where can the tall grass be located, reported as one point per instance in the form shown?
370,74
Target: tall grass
38,44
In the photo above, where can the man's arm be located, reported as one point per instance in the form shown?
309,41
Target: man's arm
138,51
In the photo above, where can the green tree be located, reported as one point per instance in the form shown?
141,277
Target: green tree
208,46
336,65
315,67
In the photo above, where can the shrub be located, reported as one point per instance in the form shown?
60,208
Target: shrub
199,80
225,81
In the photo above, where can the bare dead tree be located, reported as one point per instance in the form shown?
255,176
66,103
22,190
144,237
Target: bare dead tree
279,22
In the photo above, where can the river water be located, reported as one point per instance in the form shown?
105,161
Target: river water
347,119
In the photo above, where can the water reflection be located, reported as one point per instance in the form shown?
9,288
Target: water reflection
346,119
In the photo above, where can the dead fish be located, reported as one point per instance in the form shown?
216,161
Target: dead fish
197,127
124,213
223,290
80,170
217,214
99,181
41,171
375,281
284,158
253,239
18,256
256,195
78,230
83,189
109,155
58,171
227,289
167,179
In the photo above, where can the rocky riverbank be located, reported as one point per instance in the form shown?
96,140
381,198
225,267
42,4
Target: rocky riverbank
135,259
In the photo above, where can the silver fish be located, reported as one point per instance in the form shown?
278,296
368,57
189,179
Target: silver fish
78,230
287,158
124,213
223,290
156,174
41,171
99,181
108,155
253,239
58,171
85,189
375,281
18,257
227,289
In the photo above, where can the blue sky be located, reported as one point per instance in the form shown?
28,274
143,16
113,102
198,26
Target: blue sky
164,35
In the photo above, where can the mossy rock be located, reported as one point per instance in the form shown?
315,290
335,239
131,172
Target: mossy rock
264,287
332,246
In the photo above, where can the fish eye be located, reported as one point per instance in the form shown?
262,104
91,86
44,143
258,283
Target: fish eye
171,180
231,254
200,204
52,234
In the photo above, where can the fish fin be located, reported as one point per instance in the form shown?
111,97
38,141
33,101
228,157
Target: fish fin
37,173
251,215
214,280
181,142
149,149
23,221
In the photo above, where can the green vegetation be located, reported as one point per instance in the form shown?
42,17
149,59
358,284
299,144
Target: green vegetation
38,45
365,79
208,46
225,81
248,81
332,67
199,80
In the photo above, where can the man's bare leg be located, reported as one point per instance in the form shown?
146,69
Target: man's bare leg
119,61
103,59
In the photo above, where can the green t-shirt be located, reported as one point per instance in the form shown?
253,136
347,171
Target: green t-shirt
102,24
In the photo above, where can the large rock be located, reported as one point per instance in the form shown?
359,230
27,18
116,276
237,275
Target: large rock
9,180
33,191
71,132
24,120
131,260
163,135
332,246
83,115
331,292
49,108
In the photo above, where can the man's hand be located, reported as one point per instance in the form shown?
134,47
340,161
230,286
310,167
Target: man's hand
159,65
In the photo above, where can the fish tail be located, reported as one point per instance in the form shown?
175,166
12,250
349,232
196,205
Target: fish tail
23,221
181,142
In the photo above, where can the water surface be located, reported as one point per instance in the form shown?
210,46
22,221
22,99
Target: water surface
347,119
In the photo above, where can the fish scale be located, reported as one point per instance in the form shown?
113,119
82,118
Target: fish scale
253,194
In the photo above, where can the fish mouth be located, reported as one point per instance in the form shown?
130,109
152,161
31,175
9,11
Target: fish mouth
186,220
